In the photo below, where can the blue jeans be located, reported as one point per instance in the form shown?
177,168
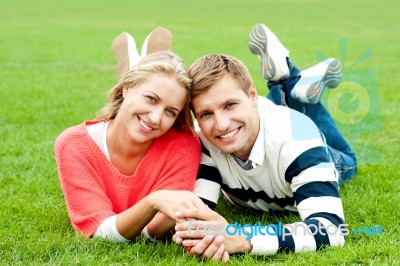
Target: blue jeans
338,148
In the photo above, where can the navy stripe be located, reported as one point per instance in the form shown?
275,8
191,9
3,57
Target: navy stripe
286,245
249,194
333,218
316,189
205,150
321,238
209,173
307,159
210,204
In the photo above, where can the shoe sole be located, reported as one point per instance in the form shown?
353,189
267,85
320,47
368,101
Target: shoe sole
160,39
259,46
120,48
331,78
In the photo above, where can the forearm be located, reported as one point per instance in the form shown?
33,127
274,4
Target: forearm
161,226
131,222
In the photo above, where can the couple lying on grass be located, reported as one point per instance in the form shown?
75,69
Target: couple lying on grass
144,167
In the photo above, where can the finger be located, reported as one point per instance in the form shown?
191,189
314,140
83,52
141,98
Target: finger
193,234
186,224
193,226
219,254
202,245
213,248
191,242
198,214
178,240
225,257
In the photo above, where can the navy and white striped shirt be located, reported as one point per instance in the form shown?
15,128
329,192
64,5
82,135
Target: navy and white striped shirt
291,170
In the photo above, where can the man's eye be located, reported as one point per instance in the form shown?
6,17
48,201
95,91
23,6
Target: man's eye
172,113
230,105
205,115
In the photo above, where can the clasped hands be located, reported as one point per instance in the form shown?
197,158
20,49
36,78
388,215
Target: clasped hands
201,230
203,233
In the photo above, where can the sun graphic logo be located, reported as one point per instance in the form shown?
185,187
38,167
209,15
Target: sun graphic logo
354,104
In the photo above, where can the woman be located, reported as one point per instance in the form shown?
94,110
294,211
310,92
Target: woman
132,168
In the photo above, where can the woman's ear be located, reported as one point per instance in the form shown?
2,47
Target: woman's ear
124,91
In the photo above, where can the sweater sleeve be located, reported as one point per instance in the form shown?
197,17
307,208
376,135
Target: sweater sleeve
208,183
80,183
314,182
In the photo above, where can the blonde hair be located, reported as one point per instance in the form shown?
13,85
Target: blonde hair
209,69
166,63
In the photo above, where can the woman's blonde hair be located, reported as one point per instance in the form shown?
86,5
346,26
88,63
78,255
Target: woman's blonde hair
165,63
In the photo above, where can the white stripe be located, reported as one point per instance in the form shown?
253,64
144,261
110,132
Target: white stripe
207,160
264,245
336,238
207,189
320,204
323,172
303,238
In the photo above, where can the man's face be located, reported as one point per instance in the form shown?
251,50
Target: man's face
228,117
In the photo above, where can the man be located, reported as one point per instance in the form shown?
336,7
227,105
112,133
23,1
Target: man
263,155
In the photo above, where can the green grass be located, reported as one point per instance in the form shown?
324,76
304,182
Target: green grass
56,66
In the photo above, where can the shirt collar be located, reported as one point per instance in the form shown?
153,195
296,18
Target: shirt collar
257,153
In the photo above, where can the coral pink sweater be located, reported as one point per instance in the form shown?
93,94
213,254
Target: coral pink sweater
95,190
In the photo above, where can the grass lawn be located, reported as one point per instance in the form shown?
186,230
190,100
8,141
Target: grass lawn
56,66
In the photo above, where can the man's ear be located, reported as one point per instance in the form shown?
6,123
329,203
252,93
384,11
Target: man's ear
253,95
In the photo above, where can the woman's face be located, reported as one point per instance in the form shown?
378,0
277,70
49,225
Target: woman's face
150,109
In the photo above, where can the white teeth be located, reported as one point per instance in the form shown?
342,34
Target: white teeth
144,125
229,135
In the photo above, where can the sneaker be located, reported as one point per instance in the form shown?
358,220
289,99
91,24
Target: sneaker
124,49
160,39
315,79
264,43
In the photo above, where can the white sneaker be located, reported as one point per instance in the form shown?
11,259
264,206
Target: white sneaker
124,49
160,39
315,79
264,43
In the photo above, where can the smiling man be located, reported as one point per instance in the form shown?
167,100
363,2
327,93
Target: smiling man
262,154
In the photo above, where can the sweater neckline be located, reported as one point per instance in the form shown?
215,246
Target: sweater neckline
104,159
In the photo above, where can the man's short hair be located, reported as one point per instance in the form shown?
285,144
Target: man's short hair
209,69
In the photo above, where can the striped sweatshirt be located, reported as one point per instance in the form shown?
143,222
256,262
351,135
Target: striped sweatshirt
291,171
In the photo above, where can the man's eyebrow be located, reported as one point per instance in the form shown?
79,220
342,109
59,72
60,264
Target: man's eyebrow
229,100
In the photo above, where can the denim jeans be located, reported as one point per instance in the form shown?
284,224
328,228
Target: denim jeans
338,148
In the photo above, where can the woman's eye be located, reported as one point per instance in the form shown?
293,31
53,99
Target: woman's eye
151,99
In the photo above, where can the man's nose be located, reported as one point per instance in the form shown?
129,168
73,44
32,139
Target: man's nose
221,122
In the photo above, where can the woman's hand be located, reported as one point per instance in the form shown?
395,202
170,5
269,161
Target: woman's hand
171,202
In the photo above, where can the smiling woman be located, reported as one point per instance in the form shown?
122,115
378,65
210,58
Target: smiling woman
134,166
